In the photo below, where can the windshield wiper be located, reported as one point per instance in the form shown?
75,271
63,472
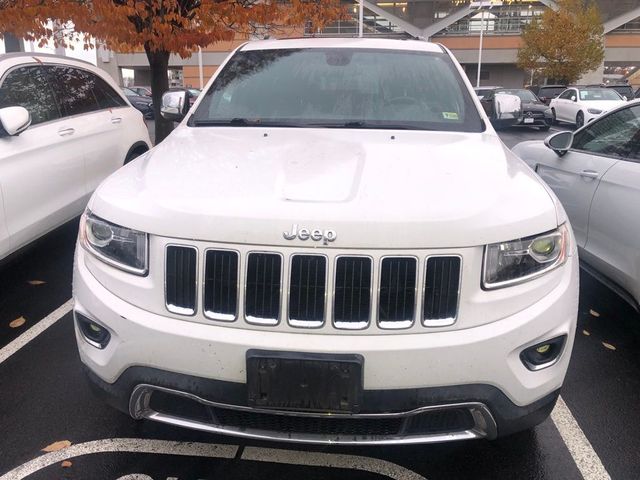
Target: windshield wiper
234,122
369,125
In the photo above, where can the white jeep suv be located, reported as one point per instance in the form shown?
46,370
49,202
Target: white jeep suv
334,246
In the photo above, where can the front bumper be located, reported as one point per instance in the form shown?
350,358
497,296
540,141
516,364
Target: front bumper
475,367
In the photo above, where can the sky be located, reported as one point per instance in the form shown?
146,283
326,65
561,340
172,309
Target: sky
77,52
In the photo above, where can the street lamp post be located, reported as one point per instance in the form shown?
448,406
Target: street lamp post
361,19
480,6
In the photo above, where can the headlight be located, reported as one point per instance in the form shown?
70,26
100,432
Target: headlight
517,261
118,246
594,111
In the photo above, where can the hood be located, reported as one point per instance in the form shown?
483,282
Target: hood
604,105
373,188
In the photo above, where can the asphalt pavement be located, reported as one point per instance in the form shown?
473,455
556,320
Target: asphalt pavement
44,400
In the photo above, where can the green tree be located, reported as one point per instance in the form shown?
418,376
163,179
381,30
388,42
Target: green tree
564,44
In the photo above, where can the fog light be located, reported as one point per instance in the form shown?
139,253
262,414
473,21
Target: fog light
93,333
544,354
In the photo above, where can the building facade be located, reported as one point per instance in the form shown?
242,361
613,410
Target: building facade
458,24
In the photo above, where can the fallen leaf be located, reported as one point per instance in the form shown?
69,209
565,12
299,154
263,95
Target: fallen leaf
594,313
584,332
18,322
608,345
66,464
36,282
55,446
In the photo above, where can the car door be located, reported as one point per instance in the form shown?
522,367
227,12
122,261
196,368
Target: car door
613,243
5,240
575,176
41,170
98,126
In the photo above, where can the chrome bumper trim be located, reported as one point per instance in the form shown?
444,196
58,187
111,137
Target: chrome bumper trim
485,425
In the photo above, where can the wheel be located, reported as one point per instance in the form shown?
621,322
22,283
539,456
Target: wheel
579,120
545,128
134,154
554,121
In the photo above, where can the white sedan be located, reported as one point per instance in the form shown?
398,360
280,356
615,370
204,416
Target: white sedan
595,172
580,105
64,127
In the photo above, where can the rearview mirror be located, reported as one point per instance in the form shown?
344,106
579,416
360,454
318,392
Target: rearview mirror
560,142
175,105
14,121
507,111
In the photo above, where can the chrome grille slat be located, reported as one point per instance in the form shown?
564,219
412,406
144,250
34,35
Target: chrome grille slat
221,285
352,292
263,288
441,292
396,303
307,290
181,279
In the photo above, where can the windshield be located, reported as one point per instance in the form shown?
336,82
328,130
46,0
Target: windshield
350,88
597,94
525,95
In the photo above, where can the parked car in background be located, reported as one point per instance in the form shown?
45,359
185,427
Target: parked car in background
624,89
482,91
142,103
333,238
595,172
142,91
580,105
546,93
64,127
637,95
534,112
193,93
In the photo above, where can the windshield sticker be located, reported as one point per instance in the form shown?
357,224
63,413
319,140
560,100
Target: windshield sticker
450,115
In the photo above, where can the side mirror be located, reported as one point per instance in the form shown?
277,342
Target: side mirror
624,97
560,142
507,111
14,121
175,105
574,99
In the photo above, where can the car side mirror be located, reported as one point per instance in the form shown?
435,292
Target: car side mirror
14,121
624,97
574,99
507,111
175,105
560,142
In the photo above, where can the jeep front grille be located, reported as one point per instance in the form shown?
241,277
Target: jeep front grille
442,288
221,285
263,287
314,290
352,292
396,305
181,277
307,289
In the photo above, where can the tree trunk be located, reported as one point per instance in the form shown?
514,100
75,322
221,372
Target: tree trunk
159,63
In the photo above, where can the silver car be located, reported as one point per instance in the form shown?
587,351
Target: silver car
595,172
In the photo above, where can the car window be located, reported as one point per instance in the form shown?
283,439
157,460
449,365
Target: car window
74,90
567,94
340,87
597,94
625,90
106,96
28,87
524,95
617,134
129,92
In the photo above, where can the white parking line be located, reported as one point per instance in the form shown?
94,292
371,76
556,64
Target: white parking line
130,445
583,454
36,330
214,450
332,460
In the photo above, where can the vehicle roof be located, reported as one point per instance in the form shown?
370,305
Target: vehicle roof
492,87
49,57
376,43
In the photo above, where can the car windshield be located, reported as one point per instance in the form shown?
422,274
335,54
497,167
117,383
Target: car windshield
128,92
339,87
525,95
598,94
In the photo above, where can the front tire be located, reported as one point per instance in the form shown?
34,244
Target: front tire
579,120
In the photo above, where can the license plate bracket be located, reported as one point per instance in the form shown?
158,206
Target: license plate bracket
307,382
529,120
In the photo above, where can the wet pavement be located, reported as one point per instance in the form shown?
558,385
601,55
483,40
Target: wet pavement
44,399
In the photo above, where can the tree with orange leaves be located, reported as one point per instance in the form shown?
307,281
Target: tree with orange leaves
162,27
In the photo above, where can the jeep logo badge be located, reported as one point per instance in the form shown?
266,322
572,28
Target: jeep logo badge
305,234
